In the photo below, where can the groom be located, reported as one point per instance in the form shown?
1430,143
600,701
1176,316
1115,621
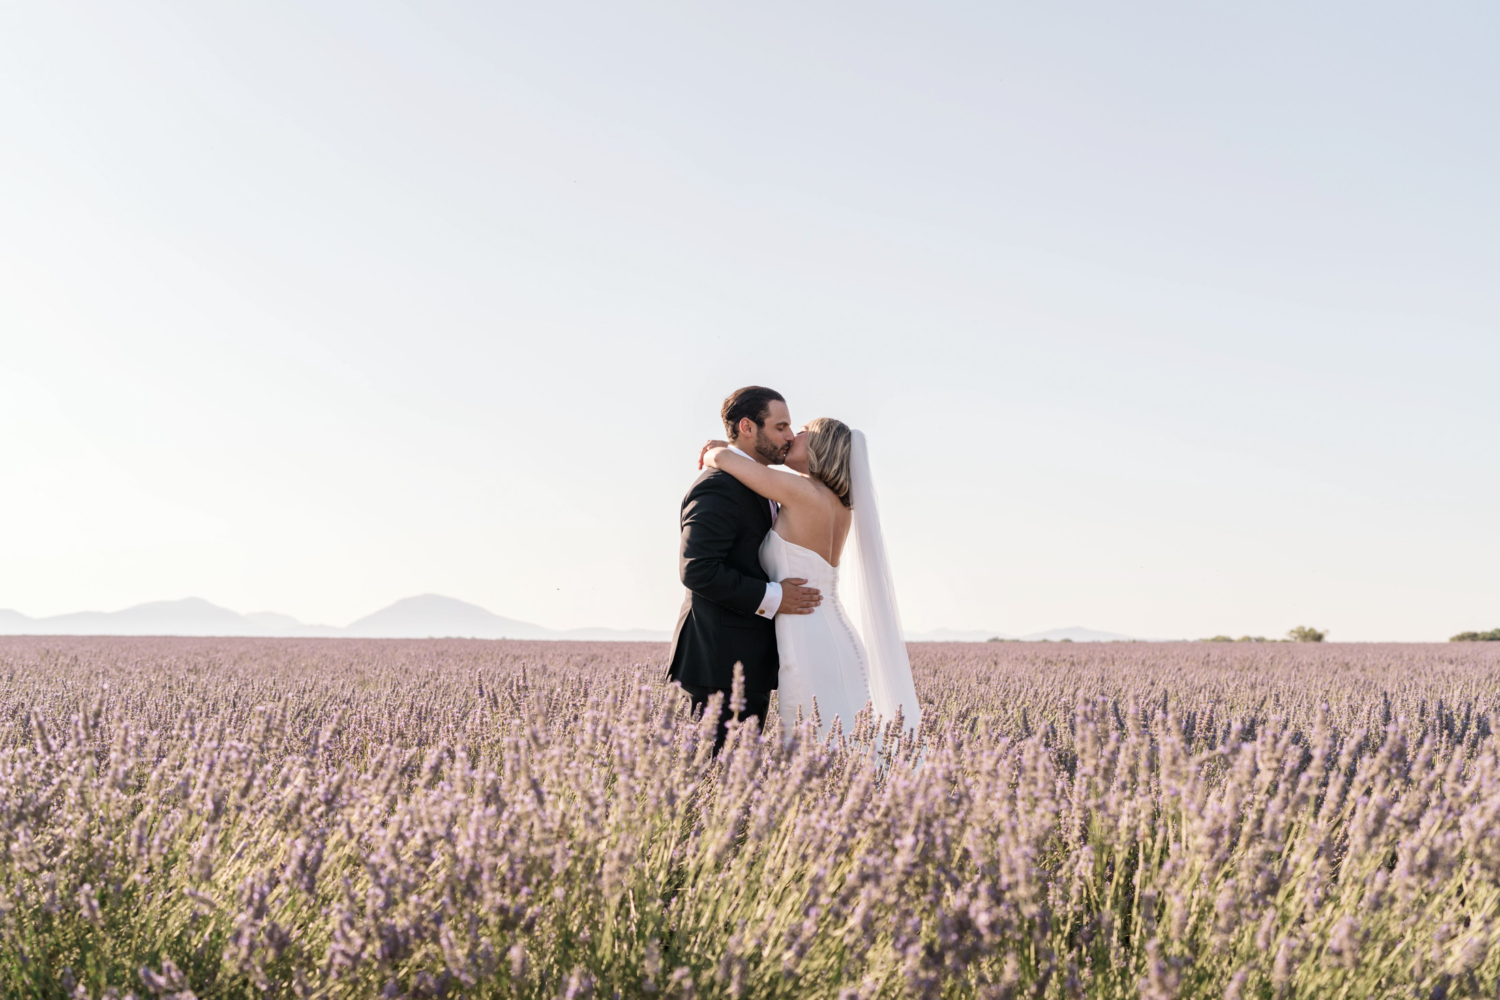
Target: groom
727,616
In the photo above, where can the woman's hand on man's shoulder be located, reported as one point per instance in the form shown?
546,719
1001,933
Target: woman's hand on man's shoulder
710,446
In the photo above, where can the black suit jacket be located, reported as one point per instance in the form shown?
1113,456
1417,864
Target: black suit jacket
723,524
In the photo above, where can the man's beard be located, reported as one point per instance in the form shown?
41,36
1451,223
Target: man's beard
770,452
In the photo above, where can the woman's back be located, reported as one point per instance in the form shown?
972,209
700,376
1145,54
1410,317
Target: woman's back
816,520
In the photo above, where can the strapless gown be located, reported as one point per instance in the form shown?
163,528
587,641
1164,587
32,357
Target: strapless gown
821,653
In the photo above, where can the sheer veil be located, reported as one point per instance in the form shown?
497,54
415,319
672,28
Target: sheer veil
891,686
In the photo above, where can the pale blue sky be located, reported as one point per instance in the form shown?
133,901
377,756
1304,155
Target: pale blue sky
1163,319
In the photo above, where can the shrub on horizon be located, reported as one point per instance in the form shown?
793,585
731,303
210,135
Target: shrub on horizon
1493,635
1306,633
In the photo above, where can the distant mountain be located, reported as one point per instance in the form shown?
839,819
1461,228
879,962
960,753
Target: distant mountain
1076,633
612,635
274,621
14,623
427,616
190,616
422,617
435,616
956,635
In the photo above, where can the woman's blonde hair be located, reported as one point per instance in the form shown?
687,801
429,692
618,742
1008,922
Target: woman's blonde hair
830,446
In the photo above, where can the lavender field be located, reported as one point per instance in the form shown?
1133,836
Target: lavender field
358,818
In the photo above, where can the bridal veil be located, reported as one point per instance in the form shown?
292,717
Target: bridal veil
891,687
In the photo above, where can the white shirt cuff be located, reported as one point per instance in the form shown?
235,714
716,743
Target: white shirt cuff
772,601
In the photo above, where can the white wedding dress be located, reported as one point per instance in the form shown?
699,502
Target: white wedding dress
823,655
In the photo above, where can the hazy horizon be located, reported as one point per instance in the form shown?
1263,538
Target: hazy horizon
420,615
1174,321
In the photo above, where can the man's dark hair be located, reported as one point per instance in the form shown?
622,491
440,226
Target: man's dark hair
753,401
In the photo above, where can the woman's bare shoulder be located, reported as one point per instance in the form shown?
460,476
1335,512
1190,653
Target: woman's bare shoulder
816,494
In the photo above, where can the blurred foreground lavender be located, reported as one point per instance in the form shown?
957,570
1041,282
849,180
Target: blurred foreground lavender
245,818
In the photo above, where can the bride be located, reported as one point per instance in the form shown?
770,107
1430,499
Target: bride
823,657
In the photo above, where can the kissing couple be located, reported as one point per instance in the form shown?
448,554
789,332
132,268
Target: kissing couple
761,556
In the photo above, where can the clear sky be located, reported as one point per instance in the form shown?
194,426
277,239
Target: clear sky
1167,319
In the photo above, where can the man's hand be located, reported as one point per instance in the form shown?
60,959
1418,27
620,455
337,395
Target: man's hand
797,599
